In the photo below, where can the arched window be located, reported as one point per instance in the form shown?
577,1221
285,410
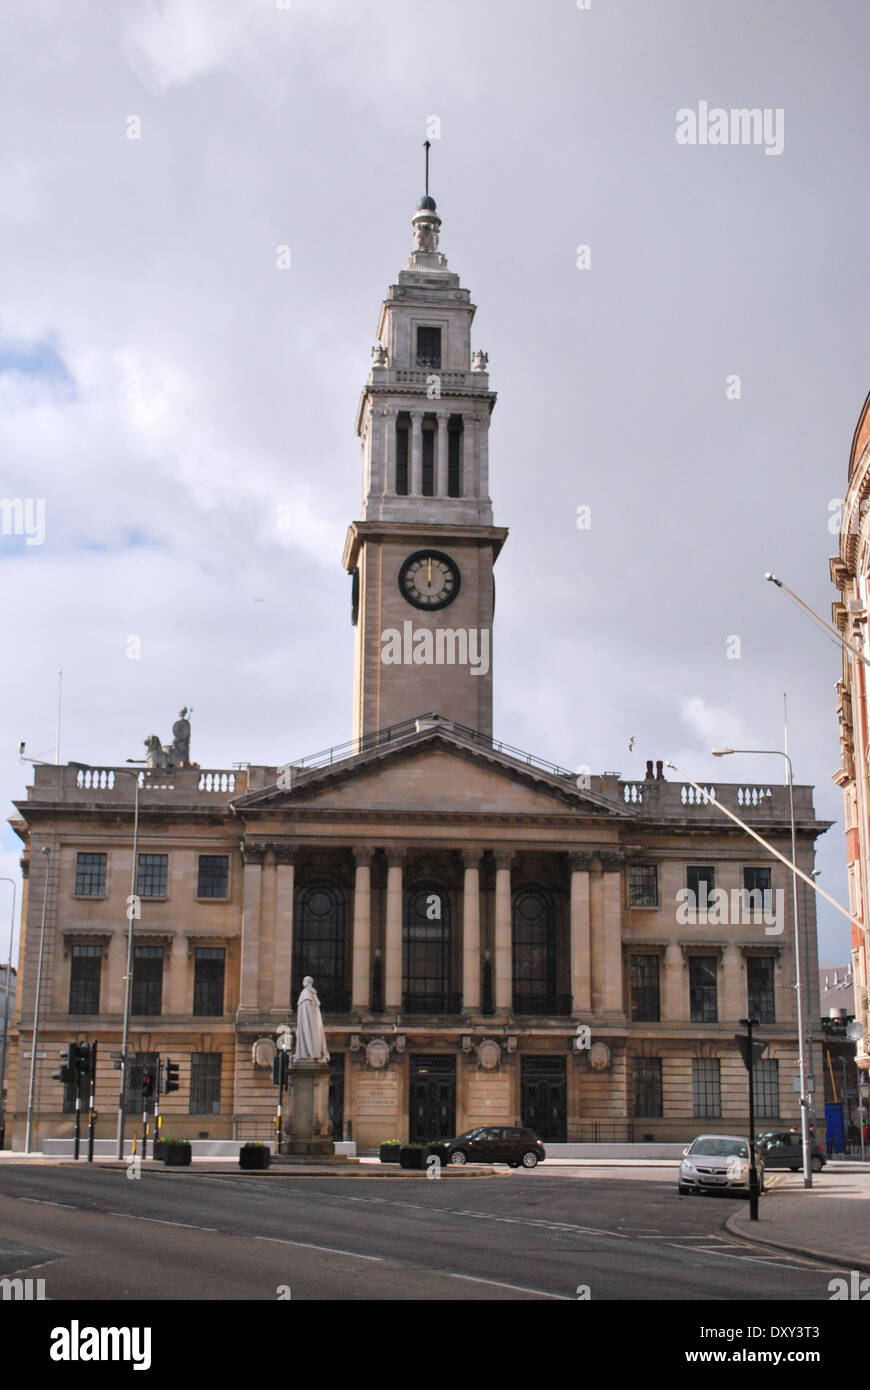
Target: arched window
318,944
426,953
403,449
534,952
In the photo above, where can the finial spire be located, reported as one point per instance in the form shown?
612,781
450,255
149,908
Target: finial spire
426,148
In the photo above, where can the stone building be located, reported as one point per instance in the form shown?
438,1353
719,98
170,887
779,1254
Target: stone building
495,939
850,571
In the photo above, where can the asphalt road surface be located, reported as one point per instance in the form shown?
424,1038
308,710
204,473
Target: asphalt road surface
95,1233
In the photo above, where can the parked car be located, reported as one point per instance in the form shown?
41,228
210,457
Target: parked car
783,1148
717,1162
512,1146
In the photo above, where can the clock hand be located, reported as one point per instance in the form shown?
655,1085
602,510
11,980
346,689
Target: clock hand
429,571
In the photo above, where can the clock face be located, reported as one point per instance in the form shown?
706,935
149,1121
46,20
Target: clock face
429,579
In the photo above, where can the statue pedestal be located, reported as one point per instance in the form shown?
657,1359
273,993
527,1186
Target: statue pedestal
307,1133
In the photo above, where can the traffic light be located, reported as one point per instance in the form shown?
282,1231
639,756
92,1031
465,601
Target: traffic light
67,1072
170,1077
758,1050
148,1084
281,1070
83,1062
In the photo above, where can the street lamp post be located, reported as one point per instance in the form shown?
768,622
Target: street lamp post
863,1094
31,1090
128,979
802,1062
6,1016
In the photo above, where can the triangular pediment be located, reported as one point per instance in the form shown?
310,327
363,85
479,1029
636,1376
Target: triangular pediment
438,770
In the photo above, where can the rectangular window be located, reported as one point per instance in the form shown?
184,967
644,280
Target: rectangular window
208,981
90,876
757,891
700,881
647,1087
140,1065
147,996
644,1002
703,980
402,451
152,876
84,979
760,977
205,1083
765,1076
428,347
428,462
706,1093
213,878
454,459
643,885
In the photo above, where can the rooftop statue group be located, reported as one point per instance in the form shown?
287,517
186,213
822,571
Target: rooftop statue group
175,754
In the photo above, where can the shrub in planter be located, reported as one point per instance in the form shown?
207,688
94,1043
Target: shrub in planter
389,1151
254,1156
412,1156
176,1153
438,1150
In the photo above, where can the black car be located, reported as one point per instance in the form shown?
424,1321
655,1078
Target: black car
783,1148
515,1147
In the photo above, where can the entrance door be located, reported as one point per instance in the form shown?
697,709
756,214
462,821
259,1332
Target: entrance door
544,1098
336,1095
432,1103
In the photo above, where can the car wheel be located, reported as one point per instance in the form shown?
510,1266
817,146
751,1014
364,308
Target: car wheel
817,1163
682,1190
457,1158
530,1159
795,1169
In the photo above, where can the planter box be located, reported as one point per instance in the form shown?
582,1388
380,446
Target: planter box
159,1149
389,1153
439,1150
412,1158
254,1158
176,1155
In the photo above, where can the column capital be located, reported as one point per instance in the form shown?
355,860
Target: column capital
285,854
362,856
471,858
252,854
395,857
504,858
580,861
612,861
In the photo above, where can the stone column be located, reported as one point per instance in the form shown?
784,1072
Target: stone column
442,419
393,942
471,932
613,1002
253,856
362,930
416,480
581,965
389,465
285,905
674,1006
503,953
733,1003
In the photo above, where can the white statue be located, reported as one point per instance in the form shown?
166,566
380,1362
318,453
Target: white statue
310,1037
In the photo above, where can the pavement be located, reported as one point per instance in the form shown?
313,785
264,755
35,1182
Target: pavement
829,1221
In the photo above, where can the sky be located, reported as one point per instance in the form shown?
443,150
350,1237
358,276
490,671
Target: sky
179,394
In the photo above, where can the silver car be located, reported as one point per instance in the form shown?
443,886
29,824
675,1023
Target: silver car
717,1162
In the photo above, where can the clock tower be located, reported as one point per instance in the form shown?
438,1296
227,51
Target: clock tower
422,555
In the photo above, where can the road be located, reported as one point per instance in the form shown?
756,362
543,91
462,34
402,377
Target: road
180,1234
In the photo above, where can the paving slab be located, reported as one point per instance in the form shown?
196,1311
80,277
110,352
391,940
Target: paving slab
830,1220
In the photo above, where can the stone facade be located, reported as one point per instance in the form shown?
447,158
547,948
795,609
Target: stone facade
494,939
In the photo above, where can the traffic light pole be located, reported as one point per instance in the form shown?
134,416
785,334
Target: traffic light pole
92,1114
748,1024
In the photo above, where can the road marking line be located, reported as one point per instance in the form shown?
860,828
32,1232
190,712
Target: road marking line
156,1221
327,1249
44,1202
497,1284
